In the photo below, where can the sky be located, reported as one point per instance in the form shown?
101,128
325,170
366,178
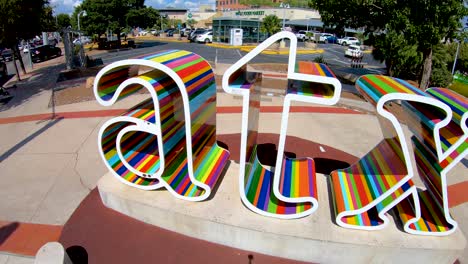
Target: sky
67,6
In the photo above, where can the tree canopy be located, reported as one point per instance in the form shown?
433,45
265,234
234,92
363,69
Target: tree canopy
271,25
23,19
63,21
422,23
103,15
142,17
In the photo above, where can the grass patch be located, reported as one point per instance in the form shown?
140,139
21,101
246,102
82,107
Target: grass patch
460,88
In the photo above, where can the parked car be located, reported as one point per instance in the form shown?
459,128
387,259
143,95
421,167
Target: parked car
44,52
324,37
3,70
26,48
185,32
302,35
353,51
143,33
331,39
348,41
7,55
195,33
81,41
206,37
170,33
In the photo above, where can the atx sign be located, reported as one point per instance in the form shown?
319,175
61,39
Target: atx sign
169,140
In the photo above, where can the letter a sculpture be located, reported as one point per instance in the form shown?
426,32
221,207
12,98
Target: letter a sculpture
168,140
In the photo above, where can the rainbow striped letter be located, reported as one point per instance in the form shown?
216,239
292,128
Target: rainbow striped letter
168,140
290,191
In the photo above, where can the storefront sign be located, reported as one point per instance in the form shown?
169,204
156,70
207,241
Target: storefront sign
250,13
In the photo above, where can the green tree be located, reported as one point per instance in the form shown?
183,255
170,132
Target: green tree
191,22
401,57
462,58
424,23
103,15
271,24
142,17
441,75
63,21
429,23
22,19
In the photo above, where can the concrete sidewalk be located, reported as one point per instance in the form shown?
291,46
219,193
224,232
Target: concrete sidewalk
49,166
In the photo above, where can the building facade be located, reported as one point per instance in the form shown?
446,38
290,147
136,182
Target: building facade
174,13
282,13
222,5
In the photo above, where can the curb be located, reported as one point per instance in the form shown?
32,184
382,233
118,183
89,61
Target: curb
284,52
268,52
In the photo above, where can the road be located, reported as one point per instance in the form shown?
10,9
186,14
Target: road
333,55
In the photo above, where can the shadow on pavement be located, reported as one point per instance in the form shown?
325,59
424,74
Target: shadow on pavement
40,80
77,254
7,230
25,141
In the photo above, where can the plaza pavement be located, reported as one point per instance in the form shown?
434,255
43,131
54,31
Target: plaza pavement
49,160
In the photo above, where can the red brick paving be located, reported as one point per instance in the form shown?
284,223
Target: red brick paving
97,234
25,238
458,194
222,110
110,240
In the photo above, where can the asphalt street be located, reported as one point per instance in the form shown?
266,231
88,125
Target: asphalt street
333,55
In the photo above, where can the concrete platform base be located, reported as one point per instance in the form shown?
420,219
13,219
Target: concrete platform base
224,220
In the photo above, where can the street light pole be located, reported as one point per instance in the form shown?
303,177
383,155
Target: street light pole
83,12
162,29
456,56
284,6
458,48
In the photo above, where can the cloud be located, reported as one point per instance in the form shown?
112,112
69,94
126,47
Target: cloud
189,4
64,6
67,6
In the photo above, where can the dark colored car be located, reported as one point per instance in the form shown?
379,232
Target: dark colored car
331,39
45,52
170,33
3,70
7,55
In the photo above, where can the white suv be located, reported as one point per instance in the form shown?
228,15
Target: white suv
348,41
302,35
